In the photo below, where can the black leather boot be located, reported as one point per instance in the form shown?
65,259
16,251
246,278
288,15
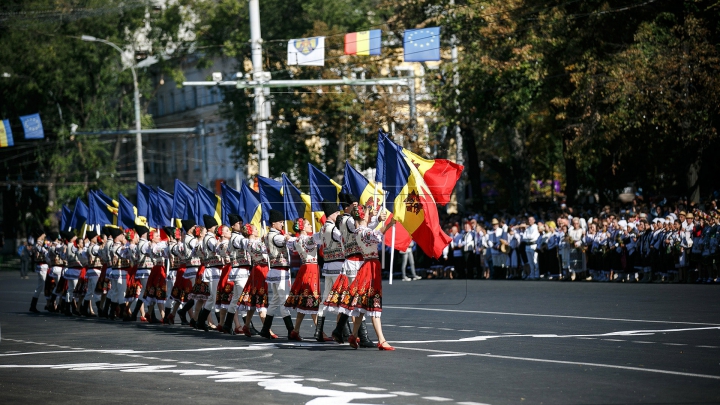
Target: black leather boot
319,329
338,333
347,329
106,309
267,324
33,305
136,310
84,308
66,308
113,309
227,326
363,336
182,312
288,324
74,308
153,318
51,304
201,321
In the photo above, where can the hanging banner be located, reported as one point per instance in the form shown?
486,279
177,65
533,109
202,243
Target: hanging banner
32,125
306,51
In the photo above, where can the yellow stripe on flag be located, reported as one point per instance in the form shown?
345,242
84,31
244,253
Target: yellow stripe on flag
362,43
3,135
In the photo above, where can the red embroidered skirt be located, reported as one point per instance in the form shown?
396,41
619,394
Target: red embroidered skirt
255,293
365,292
338,292
182,288
134,286
156,285
200,290
81,286
103,284
224,294
305,291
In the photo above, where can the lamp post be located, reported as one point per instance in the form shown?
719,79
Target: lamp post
139,166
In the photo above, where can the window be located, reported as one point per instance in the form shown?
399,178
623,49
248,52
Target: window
196,153
172,161
161,106
212,96
171,107
182,100
194,102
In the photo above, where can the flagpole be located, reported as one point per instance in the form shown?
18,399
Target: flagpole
392,252
382,252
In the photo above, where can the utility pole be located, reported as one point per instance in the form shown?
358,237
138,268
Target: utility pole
260,137
460,187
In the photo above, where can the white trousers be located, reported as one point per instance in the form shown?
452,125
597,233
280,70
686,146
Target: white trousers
117,290
69,295
237,290
210,303
280,292
329,281
40,289
90,294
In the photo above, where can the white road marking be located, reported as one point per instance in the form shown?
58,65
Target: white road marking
466,330
625,333
372,388
586,338
574,363
708,347
317,379
344,384
471,403
424,327
403,393
641,341
446,355
549,316
675,344
438,399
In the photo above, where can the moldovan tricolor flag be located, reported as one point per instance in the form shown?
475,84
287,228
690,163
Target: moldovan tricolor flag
306,51
363,43
411,201
440,175
322,188
357,185
6,138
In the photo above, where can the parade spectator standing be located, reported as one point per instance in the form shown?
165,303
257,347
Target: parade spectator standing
25,257
406,258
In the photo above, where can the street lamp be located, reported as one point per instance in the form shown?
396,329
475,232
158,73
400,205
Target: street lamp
139,166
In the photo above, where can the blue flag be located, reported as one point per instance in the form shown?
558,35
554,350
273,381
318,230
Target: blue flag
293,204
322,188
65,218
250,209
422,44
230,202
79,215
32,125
270,196
126,213
6,138
160,213
98,211
380,162
183,206
143,200
206,203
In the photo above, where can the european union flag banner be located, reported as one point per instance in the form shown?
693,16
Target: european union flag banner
79,215
183,202
6,138
422,44
160,213
32,125
65,218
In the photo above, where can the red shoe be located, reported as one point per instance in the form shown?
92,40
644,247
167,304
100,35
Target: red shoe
388,347
245,331
353,341
295,336
239,331
143,319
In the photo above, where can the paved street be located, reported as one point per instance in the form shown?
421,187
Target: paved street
474,342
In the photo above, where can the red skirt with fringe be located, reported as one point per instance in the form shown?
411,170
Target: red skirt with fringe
255,293
338,293
305,291
182,287
365,292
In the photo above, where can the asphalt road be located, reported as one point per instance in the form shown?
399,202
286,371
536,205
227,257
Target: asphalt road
474,342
